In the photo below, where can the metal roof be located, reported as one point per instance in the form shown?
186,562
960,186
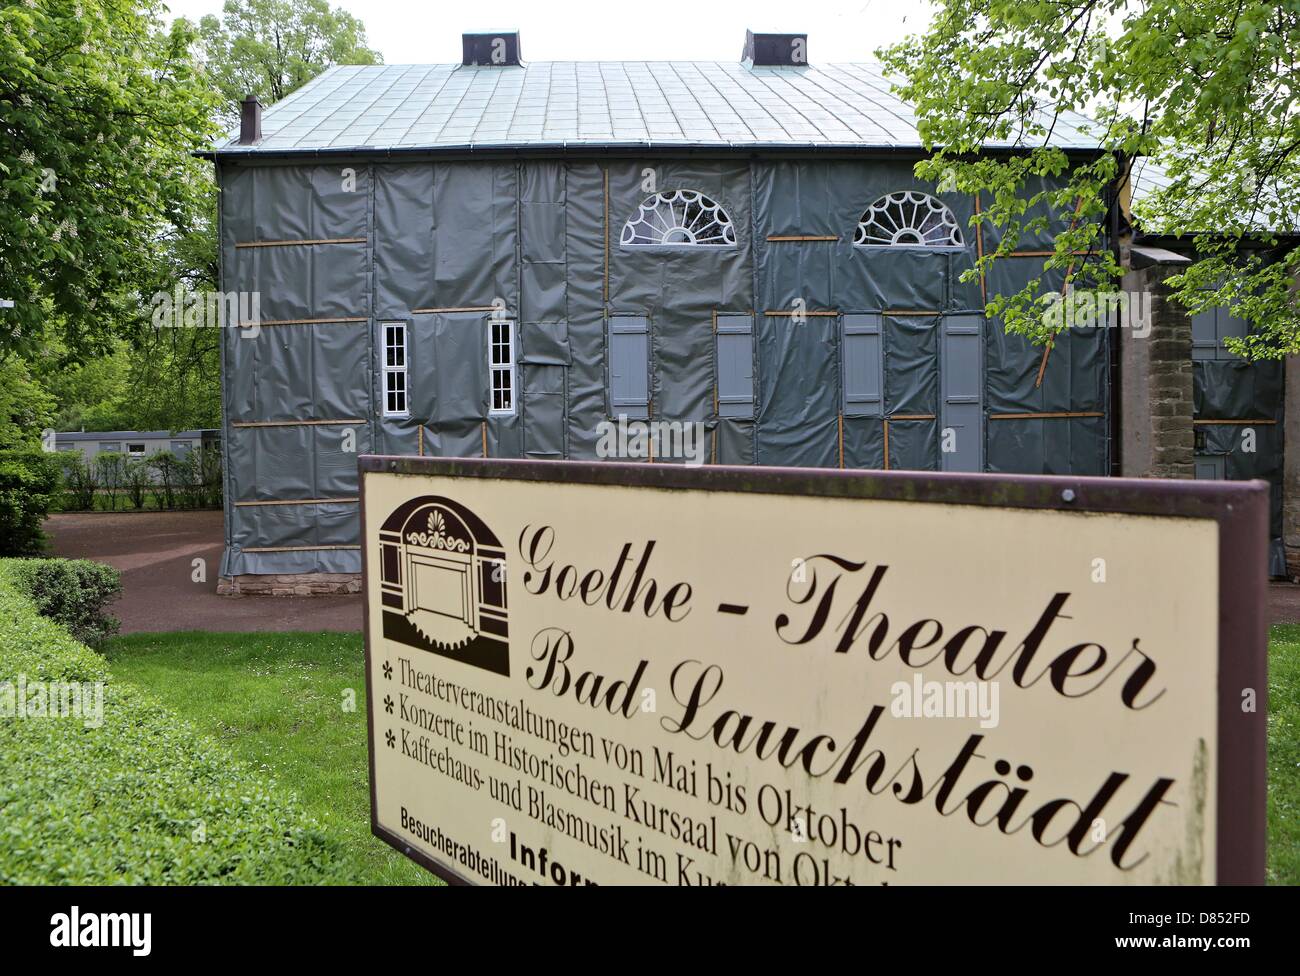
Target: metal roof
1147,177
596,104
1150,177
127,435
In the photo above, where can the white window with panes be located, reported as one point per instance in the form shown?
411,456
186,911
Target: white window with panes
501,366
395,391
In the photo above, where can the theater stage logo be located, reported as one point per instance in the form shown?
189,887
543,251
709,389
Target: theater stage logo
443,583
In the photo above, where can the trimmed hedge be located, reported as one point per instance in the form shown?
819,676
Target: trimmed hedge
142,798
71,592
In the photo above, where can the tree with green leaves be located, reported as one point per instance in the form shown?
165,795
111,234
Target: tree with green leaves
1205,91
25,406
271,47
102,204
88,394
101,106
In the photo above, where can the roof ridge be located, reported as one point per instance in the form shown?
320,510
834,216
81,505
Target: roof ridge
573,105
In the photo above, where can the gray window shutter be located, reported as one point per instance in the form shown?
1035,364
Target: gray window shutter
1205,335
863,365
1229,326
736,366
629,365
962,381
1210,328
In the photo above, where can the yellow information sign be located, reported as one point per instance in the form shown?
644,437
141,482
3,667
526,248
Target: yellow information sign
634,674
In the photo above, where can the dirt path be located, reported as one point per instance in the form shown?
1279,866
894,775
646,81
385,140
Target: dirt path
155,552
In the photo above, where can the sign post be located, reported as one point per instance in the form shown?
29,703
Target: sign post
621,674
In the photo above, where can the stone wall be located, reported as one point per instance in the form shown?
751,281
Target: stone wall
1291,467
303,584
1156,384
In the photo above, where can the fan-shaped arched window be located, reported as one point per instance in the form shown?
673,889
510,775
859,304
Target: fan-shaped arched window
679,218
908,219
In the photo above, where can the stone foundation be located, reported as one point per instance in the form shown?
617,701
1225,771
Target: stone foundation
299,584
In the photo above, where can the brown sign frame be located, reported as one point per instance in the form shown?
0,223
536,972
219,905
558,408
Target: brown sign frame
1239,509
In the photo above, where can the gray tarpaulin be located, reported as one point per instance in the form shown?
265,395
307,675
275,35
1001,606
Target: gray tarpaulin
1233,390
437,244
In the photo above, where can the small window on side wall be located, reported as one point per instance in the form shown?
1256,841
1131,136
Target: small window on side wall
394,359
862,365
735,352
629,365
501,366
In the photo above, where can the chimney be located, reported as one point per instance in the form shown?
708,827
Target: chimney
775,49
250,121
493,48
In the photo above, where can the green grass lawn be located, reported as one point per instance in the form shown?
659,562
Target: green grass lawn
277,700
1284,755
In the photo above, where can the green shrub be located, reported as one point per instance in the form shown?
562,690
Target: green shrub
167,474
135,478
80,480
28,481
139,797
210,474
189,481
110,467
72,592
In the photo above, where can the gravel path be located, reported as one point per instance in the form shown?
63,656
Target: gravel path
155,552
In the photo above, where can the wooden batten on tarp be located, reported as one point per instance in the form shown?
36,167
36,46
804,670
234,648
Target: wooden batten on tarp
1069,272
1236,423
297,423
1055,415
332,240
455,308
350,320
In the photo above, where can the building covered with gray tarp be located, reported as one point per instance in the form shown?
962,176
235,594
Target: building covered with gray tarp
500,258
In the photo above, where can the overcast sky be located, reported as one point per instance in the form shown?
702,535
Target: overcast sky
424,31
